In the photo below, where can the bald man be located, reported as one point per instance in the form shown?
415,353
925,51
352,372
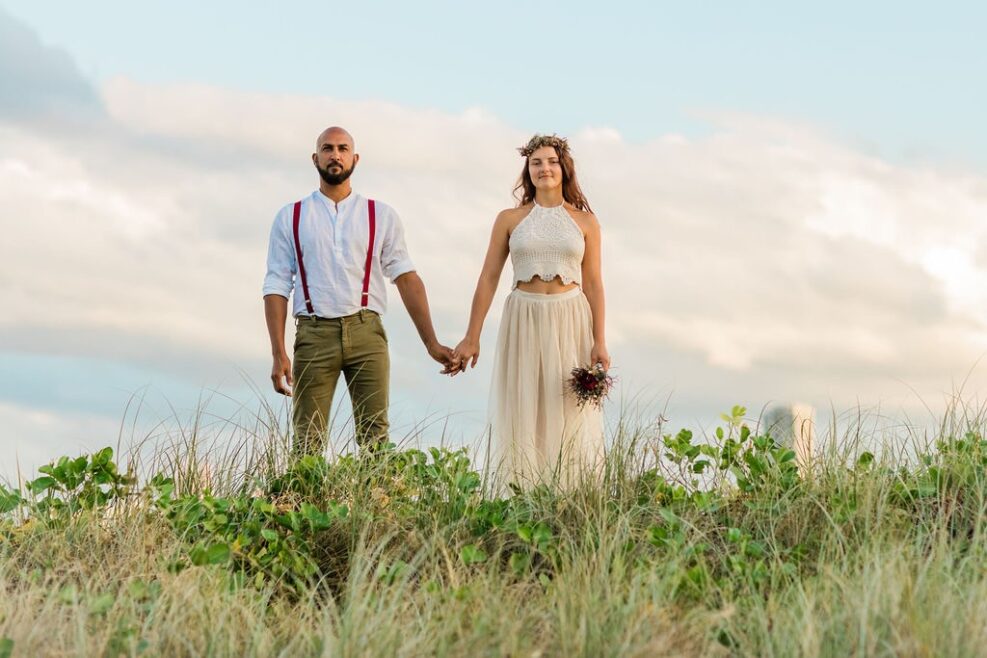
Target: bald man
332,252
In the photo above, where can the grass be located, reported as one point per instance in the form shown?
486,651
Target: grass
714,548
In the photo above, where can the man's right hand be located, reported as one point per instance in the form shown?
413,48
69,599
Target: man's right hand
281,375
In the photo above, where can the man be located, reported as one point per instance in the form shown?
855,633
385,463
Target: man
332,250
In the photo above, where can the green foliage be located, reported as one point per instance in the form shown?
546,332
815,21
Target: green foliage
9,500
472,554
69,486
257,538
723,517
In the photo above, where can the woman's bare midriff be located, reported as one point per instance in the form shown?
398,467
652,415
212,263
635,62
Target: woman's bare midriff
540,286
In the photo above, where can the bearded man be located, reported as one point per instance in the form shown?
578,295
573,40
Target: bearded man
332,252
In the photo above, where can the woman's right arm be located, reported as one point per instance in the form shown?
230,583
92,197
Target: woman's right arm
468,349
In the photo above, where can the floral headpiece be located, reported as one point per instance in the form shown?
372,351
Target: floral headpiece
559,143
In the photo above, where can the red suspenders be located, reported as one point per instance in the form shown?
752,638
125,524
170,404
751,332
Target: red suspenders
365,295
298,255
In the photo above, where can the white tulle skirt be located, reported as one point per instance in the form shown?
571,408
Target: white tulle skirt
538,434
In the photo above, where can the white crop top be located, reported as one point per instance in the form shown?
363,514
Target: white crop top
547,243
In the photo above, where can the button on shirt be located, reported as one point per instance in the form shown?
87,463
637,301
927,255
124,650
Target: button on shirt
334,239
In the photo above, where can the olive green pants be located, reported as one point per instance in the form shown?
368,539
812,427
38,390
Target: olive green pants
356,346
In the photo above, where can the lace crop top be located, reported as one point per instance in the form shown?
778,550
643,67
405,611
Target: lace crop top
547,243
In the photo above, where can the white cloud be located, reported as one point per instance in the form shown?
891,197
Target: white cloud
764,261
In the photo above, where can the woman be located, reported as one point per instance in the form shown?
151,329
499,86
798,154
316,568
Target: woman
553,321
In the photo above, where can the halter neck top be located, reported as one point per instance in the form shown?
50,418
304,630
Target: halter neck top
547,243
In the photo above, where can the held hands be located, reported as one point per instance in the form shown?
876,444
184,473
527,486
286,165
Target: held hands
281,374
445,356
466,353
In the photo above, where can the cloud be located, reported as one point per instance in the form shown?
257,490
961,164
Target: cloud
764,261
36,79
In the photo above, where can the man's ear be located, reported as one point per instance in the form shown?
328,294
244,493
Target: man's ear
315,159
356,158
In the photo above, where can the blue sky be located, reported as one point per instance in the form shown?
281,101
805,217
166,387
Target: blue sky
793,195
904,79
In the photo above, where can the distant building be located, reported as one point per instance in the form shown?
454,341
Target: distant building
793,426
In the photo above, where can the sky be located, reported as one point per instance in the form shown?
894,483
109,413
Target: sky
792,199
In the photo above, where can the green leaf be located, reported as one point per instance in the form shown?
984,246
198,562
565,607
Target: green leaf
218,553
269,535
102,477
101,604
9,500
6,647
103,457
316,518
289,520
669,517
41,484
138,589
69,594
396,571
472,554
755,549
78,466
697,575
520,563
542,535
865,459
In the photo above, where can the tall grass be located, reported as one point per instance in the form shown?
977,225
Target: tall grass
687,547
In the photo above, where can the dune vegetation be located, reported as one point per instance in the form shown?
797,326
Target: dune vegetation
715,545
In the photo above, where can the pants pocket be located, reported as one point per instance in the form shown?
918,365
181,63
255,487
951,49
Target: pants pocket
378,326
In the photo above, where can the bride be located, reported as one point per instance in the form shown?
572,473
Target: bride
553,321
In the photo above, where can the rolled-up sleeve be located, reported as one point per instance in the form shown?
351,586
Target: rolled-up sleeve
394,258
280,278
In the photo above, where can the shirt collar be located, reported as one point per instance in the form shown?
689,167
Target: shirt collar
342,206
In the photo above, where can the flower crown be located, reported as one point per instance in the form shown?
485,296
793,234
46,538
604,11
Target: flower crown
558,143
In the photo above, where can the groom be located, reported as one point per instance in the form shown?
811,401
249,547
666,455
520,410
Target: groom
332,250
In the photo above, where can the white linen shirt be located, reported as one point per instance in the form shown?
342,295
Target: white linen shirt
334,239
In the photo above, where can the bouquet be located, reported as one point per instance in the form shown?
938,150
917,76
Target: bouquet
590,385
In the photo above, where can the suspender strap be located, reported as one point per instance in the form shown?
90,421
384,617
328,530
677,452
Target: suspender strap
365,296
298,254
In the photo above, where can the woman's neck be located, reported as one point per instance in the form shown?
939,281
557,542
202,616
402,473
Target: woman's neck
549,198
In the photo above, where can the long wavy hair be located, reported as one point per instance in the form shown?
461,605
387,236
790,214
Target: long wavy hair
524,191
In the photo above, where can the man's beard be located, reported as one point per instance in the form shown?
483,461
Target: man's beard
337,178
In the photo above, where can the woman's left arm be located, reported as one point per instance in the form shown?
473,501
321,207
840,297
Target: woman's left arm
593,289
